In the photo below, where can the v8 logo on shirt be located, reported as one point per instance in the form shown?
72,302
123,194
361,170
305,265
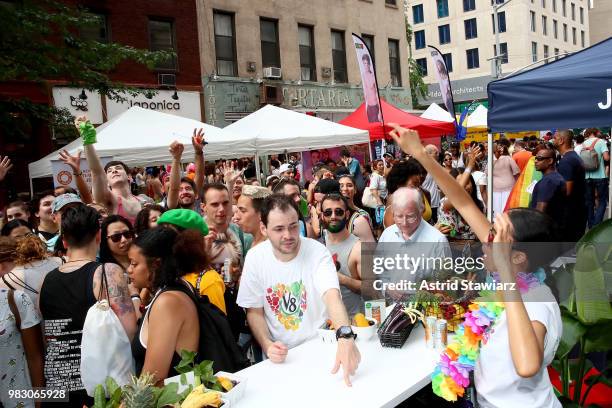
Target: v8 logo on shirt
288,303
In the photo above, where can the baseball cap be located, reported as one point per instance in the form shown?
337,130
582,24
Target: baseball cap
327,186
184,218
284,167
62,200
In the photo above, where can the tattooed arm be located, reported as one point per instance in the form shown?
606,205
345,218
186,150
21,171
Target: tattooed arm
119,296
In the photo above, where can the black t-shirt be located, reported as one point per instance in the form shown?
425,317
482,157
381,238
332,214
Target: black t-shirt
46,235
551,190
571,168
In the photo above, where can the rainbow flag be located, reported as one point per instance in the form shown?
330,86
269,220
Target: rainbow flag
520,196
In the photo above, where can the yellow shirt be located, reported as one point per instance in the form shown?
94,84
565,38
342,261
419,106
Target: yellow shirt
210,285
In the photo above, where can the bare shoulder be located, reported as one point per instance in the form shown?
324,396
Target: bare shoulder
174,303
115,277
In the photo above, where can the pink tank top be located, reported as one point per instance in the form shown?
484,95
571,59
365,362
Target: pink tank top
121,211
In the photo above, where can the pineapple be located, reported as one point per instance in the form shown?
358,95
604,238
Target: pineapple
140,394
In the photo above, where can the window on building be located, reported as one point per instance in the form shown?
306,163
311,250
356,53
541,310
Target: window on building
543,3
581,15
442,8
472,58
161,38
582,39
573,12
564,7
417,14
471,28
546,52
394,63
369,41
391,2
225,44
503,52
270,51
339,56
556,54
308,66
555,29
534,51
554,4
448,60
98,31
444,34
419,39
501,16
565,32
469,5
574,39
533,20
544,25
422,64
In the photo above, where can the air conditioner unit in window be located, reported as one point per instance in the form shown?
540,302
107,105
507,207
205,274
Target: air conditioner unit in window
166,80
272,72
270,94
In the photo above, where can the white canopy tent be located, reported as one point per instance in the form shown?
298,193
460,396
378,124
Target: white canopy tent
277,130
435,112
478,118
140,137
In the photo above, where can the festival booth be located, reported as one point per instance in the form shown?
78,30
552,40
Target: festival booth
427,128
140,137
573,92
435,112
277,130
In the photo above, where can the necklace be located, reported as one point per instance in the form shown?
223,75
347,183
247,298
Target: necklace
452,374
79,260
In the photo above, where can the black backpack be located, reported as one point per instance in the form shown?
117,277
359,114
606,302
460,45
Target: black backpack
217,341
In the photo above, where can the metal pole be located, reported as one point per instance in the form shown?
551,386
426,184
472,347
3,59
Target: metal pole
490,177
257,168
497,45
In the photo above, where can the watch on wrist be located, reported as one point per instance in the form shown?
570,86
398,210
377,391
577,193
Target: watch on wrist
345,332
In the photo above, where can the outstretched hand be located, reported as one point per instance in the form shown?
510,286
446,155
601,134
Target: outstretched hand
176,150
5,166
197,140
407,139
73,161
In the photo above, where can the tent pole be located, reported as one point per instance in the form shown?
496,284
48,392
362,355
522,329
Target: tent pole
370,151
610,195
490,177
257,167
31,189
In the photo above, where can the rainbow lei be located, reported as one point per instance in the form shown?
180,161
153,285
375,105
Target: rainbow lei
452,374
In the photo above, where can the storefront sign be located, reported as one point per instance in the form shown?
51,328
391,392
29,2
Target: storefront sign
79,102
463,90
186,105
62,173
226,100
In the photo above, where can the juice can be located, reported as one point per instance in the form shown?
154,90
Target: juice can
441,335
430,330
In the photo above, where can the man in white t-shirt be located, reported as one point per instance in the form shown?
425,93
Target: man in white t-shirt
289,287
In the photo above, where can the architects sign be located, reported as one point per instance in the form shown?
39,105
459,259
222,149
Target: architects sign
82,102
226,100
463,90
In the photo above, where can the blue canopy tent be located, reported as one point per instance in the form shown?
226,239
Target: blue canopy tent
573,92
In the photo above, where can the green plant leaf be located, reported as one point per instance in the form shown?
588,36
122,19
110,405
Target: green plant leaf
169,395
601,378
99,397
185,393
111,385
573,329
598,336
186,363
592,301
115,400
567,403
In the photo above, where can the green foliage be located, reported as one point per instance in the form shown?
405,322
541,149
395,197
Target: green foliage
40,41
203,372
418,88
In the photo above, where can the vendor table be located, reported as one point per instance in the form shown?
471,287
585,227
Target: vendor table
385,376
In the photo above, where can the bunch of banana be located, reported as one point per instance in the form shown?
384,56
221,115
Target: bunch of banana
226,383
199,398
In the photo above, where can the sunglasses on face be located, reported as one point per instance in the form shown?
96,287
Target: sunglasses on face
338,211
117,237
540,158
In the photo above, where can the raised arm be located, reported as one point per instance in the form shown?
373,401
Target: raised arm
5,166
75,164
198,142
176,150
101,192
410,143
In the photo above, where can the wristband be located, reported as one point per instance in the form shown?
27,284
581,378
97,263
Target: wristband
88,133
467,170
134,297
80,173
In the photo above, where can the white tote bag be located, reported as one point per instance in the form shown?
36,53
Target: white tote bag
105,346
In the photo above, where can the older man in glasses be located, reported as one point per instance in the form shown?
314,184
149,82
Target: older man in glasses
423,248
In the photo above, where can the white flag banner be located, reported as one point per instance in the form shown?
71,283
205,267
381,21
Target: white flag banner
368,80
443,80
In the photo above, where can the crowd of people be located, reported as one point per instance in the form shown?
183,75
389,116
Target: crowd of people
275,259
